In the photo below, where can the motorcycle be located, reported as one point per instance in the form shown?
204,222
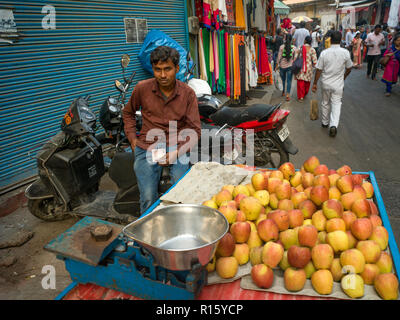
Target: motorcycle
271,144
71,165
113,139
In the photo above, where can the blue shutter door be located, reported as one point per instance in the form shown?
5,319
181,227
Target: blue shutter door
45,69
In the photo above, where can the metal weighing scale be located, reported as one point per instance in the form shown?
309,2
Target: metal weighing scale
159,256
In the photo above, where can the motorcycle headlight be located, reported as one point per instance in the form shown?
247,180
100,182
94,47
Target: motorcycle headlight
113,109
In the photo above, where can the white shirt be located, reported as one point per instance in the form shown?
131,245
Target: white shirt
260,15
333,62
314,42
349,37
299,36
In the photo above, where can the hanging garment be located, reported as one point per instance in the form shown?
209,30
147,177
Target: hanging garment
394,14
222,9
248,62
227,69
207,13
202,60
216,55
253,70
206,47
231,66
199,9
221,62
260,15
242,69
211,52
237,66
230,12
215,19
240,22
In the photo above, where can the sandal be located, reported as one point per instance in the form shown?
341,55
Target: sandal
287,98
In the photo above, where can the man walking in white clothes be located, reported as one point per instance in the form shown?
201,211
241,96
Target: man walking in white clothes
300,35
333,67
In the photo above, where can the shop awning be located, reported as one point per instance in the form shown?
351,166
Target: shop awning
281,8
355,5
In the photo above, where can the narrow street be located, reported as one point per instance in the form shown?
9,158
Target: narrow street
368,137
367,140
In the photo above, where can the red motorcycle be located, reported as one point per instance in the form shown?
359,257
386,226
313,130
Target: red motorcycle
271,145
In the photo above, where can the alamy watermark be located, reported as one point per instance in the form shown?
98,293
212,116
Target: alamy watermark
49,20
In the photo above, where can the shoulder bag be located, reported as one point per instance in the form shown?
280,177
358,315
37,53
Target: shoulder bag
298,63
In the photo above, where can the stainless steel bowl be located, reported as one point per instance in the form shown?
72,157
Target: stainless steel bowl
179,235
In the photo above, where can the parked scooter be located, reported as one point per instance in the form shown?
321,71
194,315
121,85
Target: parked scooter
70,168
272,144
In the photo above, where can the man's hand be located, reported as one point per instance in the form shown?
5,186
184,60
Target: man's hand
169,158
314,88
133,144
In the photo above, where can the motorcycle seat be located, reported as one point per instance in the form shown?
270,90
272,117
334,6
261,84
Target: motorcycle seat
121,169
234,116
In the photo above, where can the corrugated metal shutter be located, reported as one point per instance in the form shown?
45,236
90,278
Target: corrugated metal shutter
45,70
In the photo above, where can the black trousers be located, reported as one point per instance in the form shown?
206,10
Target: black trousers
373,62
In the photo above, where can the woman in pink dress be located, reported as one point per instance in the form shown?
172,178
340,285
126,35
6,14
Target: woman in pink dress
357,44
392,68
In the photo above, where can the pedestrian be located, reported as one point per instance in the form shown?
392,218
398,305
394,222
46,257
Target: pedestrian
285,60
373,42
349,39
385,32
304,77
277,42
169,108
333,67
363,36
327,39
357,55
392,67
316,39
300,35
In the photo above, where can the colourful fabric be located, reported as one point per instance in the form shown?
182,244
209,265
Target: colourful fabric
304,55
310,61
236,64
230,12
206,46
390,75
240,21
202,60
221,55
199,9
357,60
302,88
207,13
227,69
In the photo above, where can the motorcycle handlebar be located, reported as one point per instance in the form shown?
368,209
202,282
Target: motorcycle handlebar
131,78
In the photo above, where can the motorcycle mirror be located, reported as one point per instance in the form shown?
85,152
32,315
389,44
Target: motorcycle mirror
119,86
125,60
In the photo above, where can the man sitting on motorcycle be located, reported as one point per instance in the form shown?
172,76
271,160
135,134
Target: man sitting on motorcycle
170,124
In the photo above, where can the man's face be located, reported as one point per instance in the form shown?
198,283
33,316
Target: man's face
377,30
165,73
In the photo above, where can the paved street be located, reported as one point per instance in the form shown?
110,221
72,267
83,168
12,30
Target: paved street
367,140
368,137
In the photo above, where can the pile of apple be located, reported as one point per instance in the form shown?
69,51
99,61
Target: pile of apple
315,223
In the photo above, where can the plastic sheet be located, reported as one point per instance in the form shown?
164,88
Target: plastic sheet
156,38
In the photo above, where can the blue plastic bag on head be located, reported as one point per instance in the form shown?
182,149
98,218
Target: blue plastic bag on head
156,38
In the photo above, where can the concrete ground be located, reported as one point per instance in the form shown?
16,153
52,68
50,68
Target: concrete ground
368,137
367,140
